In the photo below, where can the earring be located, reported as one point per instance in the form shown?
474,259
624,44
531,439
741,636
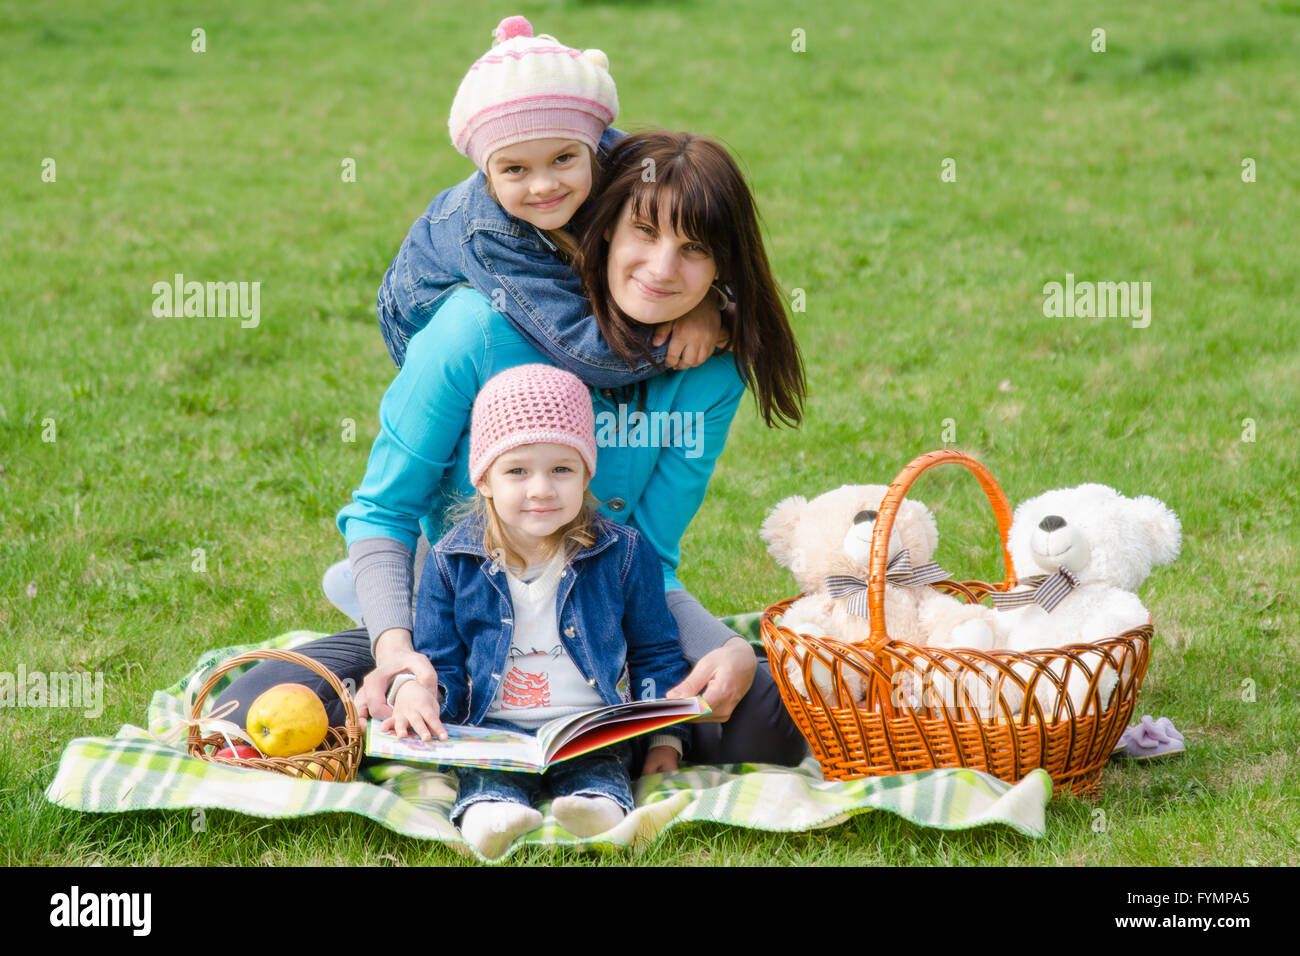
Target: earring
725,298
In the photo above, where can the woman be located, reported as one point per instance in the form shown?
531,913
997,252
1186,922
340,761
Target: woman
653,247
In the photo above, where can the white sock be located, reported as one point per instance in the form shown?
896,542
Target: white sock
587,816
492,825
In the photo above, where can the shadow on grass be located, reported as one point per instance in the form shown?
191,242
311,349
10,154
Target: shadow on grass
1169,61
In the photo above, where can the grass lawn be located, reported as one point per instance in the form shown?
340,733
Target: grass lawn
134,449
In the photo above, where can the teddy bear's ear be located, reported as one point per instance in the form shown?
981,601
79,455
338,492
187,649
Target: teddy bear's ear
1163,526
779,526
918,530
1023,519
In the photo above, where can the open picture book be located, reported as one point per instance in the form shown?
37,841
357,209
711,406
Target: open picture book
560,739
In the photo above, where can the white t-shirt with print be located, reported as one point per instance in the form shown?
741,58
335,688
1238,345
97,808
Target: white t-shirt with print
541,681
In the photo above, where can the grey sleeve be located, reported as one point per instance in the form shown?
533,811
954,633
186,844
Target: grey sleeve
699,630
381,572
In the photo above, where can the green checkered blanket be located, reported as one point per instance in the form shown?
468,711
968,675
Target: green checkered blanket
148,769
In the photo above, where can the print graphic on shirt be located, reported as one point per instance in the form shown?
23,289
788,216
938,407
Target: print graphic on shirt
529,689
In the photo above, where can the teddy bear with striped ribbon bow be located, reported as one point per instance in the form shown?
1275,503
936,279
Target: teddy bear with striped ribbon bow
1080,555
826,544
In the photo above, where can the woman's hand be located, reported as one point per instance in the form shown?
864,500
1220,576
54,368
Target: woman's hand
693,337
723,676
394,655
660,760
416,709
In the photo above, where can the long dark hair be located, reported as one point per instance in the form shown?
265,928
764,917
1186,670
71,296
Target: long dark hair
708,201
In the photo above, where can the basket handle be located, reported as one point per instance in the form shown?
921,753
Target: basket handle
352,724
885,524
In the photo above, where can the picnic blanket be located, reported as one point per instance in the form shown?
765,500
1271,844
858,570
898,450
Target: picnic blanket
148,769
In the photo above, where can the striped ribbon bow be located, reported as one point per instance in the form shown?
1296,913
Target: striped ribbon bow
1045,590
899,571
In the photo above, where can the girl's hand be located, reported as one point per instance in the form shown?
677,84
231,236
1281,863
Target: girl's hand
393,655
415,709
723,676
660,760
693,337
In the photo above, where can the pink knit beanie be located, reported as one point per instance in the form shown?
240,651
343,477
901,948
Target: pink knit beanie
527,404
529,87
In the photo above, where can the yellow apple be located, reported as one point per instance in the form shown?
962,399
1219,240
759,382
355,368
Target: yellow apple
315,771
287,720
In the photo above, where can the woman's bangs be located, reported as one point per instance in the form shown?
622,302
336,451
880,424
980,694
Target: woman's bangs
692,210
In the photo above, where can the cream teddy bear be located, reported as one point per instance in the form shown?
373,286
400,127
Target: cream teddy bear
826,544
1080,554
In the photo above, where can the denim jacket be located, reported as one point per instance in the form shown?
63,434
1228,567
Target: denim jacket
613,619
465,237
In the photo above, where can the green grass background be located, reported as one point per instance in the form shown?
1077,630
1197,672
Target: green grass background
923,303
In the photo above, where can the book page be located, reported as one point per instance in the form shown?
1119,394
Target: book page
486,747
596,729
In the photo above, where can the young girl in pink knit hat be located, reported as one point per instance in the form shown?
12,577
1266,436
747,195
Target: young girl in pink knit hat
533,114
535,606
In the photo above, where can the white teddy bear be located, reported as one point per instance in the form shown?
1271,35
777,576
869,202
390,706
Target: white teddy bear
826,544
1080,554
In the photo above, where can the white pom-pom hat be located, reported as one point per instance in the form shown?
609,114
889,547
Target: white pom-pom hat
531,87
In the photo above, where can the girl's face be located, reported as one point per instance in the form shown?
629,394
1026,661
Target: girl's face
541,181
656,274
536,490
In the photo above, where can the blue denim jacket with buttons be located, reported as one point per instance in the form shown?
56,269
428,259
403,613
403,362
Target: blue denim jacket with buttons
611,611
465,237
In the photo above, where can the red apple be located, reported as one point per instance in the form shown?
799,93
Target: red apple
238,752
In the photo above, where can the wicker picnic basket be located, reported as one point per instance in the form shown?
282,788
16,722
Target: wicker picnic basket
972,723
337,758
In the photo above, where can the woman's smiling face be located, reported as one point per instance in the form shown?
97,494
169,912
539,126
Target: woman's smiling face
656,274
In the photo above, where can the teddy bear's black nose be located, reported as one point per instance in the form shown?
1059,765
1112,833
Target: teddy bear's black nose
862,516
1052,522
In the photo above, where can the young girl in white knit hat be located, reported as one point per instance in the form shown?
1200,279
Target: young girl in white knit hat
535,606
533,114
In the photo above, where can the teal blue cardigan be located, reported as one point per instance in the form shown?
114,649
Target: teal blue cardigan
418,462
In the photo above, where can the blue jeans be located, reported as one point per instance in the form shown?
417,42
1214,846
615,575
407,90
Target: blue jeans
601,773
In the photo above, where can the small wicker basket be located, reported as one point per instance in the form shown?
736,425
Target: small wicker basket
882,734
337,758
